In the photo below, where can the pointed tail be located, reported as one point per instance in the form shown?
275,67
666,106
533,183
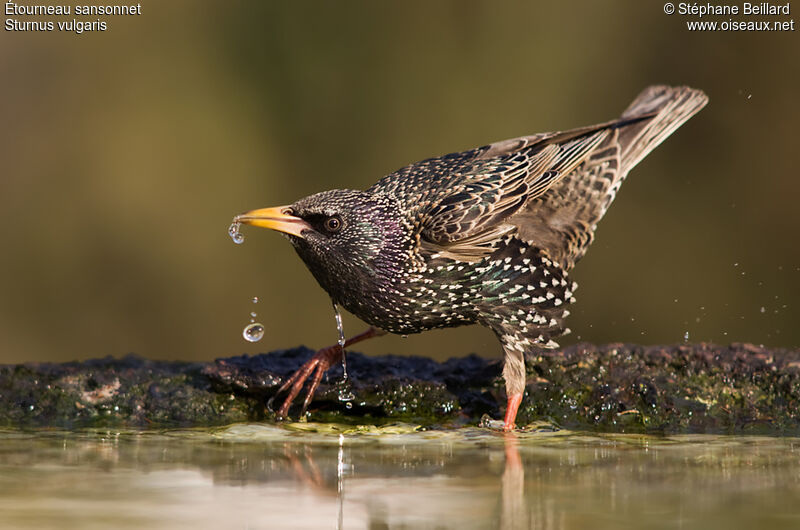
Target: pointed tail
670,107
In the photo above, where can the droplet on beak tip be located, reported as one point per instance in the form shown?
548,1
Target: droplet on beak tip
233,231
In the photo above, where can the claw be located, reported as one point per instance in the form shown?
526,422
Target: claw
318,365
321,368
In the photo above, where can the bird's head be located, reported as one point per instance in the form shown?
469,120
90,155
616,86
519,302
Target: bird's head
348,239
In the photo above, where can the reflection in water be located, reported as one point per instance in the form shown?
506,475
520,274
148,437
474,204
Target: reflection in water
262,476
514,513
340,478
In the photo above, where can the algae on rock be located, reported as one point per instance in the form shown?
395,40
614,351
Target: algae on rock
695,388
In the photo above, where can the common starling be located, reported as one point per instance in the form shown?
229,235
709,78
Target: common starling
485,236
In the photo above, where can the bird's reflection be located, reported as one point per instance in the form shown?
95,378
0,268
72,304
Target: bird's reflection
262,476
383,491
514,511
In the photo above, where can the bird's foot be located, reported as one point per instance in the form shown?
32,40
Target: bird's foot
314,368
487,422
316,365
508,424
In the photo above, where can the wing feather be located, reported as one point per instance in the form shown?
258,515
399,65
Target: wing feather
550,188
465,221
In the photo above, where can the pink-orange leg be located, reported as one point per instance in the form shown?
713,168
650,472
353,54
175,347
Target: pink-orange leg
514,401
318,365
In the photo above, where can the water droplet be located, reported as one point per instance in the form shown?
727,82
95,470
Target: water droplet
685,336
344,390
253,332
255,299
253,314
233,231
339,327
338,317
763,309
404,336
348,405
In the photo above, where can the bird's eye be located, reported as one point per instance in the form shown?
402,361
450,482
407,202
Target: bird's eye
333,224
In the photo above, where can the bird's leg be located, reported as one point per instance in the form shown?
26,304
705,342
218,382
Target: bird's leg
511,411
317,365
514,374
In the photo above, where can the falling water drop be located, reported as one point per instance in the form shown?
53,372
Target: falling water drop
339,327
233,231
685,336
343,387
338,317
253,332
344,391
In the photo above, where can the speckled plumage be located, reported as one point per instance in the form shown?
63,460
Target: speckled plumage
484,236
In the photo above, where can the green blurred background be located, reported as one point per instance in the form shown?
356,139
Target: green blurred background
125,154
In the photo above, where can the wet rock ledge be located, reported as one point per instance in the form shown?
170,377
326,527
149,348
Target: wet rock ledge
696,388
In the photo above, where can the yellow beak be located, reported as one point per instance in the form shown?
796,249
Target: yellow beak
275,219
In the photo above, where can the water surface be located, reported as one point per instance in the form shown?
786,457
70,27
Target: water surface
322,476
